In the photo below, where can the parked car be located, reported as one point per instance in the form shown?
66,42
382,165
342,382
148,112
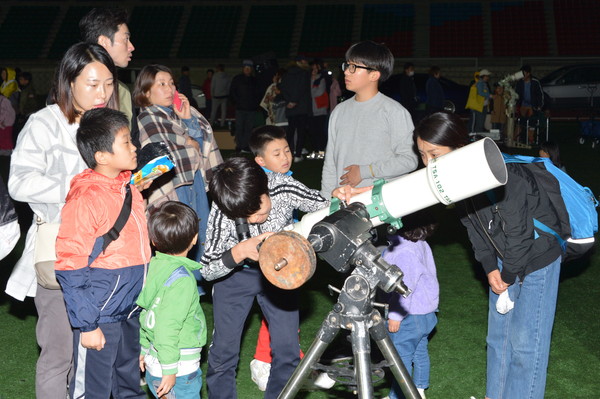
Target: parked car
198,95
456,94
572,86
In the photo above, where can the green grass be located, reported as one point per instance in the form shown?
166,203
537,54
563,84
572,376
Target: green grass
457,347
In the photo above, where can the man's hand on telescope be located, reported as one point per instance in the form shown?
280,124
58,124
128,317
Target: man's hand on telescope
496,283
393,325
352,176
344,193
248,249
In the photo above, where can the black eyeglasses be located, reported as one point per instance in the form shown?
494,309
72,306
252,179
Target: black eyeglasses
352,67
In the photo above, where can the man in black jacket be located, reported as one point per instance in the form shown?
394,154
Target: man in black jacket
295,90
530,102
243,93
408,90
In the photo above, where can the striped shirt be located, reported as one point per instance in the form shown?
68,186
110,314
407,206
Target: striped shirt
286,194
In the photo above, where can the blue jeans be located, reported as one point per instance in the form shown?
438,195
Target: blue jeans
186,387
518,343
194,196
411,343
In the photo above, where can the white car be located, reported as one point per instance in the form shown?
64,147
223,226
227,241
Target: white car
573,86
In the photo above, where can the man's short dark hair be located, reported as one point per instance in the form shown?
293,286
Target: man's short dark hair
97,131
27,76
526,68
103,21
373,55
185,68
237,186
172,227
434,69
261,136
408,65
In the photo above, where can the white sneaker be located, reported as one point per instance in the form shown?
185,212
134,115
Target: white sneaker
421,392
312,155
324,381
259,372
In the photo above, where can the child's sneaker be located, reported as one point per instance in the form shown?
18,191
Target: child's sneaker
259,372
324,381
421,392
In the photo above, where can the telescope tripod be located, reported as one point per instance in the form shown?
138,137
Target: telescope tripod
354,312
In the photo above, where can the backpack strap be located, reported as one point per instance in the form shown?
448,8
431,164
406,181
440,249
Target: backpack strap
104,241
541,226
113,234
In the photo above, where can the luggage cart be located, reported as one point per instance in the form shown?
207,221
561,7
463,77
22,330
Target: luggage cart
539,123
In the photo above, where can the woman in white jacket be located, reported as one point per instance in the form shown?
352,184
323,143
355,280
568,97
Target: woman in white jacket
42,166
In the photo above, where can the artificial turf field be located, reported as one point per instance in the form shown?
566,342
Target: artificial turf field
457,346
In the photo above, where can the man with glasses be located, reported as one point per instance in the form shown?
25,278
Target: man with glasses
107,26
370,134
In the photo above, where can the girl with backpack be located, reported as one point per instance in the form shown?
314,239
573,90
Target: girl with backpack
522,265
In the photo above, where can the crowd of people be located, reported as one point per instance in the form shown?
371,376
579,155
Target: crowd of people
116,269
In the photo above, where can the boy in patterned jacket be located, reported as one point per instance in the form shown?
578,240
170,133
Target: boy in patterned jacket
173,327
100,285
243,193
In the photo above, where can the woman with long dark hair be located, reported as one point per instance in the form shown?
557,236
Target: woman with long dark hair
522,265
42,166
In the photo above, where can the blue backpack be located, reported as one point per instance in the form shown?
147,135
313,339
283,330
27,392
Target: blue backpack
574,204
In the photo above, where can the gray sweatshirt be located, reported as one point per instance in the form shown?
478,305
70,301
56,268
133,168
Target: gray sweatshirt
374,134
219,85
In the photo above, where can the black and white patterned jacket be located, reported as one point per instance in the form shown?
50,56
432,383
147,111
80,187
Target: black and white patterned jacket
286,194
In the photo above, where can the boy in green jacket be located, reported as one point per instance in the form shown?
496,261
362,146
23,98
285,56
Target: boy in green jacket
172,324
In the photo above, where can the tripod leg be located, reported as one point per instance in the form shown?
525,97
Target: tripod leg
381,337
329,329
362,359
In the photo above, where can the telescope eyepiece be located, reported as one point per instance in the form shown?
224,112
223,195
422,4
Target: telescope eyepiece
242,229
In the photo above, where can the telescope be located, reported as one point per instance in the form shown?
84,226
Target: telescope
341,235
288,258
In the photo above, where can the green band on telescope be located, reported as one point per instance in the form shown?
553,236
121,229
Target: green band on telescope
377,207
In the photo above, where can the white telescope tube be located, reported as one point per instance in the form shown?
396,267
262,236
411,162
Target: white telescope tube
460,174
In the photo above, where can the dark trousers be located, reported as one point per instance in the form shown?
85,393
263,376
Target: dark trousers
244,122
114,369
297,124
318,131
232,300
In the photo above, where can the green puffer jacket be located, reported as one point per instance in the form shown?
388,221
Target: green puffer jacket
172,320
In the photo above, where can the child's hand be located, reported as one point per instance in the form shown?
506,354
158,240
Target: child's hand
166,384
496,282
352,176
393,325
142,364
344,193
141,186
93,339
248,249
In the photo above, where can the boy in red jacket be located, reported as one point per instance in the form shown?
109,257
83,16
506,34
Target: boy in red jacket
100,285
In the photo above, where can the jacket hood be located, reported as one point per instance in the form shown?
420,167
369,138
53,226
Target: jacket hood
83,181
161,269
11,74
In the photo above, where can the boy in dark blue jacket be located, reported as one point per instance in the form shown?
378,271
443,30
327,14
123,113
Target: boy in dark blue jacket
100,285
